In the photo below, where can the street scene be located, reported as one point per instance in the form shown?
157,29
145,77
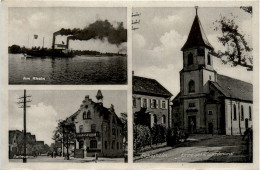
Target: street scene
200,110
67,126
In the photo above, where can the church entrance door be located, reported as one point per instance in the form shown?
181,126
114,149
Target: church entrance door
210,127
192,123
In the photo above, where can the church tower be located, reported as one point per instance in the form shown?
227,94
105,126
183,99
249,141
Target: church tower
195,76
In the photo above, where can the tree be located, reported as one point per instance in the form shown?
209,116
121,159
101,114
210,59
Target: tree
65,132
14,49
123,119
237,50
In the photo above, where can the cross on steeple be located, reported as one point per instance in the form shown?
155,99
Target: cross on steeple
196,8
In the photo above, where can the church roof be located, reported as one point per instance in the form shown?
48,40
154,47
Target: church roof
197,36
234,88
149,86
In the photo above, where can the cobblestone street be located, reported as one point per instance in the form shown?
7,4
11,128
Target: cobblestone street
201,148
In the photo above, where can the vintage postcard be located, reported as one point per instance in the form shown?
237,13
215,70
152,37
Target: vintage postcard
130,85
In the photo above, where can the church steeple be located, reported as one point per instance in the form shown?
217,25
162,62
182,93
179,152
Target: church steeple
99,97
197,36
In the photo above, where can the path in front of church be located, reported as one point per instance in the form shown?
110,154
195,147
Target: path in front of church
203,148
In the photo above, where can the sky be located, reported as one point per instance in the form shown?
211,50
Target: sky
162,33
26,22
49,106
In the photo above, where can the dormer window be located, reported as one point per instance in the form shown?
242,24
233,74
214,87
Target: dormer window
190,59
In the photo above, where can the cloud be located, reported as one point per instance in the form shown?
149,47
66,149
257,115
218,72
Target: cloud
41,121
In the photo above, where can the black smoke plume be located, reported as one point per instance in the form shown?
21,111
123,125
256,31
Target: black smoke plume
97,30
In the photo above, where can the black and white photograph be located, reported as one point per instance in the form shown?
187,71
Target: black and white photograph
193,84
67,126
67,45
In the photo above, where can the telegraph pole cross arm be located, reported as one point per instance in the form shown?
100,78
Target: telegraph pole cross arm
23,101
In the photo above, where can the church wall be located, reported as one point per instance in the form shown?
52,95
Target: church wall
207,76
213,115
235,122
188,76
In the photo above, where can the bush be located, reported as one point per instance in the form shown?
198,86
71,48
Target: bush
142,136
175,136
158,134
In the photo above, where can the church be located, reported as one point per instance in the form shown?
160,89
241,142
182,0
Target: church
209,102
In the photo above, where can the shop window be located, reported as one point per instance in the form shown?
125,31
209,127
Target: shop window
191,86
93,144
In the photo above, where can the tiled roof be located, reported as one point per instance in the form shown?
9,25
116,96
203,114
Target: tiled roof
197,36
149,86
234,88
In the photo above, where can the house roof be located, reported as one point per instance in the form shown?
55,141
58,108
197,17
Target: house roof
149,86
234,88
197,36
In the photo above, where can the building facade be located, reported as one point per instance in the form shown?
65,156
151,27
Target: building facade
151,99
209,102
98,129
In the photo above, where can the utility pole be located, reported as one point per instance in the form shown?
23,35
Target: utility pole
24,101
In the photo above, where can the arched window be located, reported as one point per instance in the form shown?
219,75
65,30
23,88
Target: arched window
190,59
191,86
84,115
250,113
155,119
209,60
242,113
88,115
163,119
93,144
235,112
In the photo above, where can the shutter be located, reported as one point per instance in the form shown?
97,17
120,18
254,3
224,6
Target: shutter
151,103
166,104
161,106
142,105
147,103
157,103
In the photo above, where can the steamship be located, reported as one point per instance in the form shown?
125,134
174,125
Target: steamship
58,50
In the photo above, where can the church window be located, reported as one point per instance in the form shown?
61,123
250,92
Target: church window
210,112
190,59
191,86
155,119
242,113
250,113
201,52
84,115
209,60
235,112
93,144
88,115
